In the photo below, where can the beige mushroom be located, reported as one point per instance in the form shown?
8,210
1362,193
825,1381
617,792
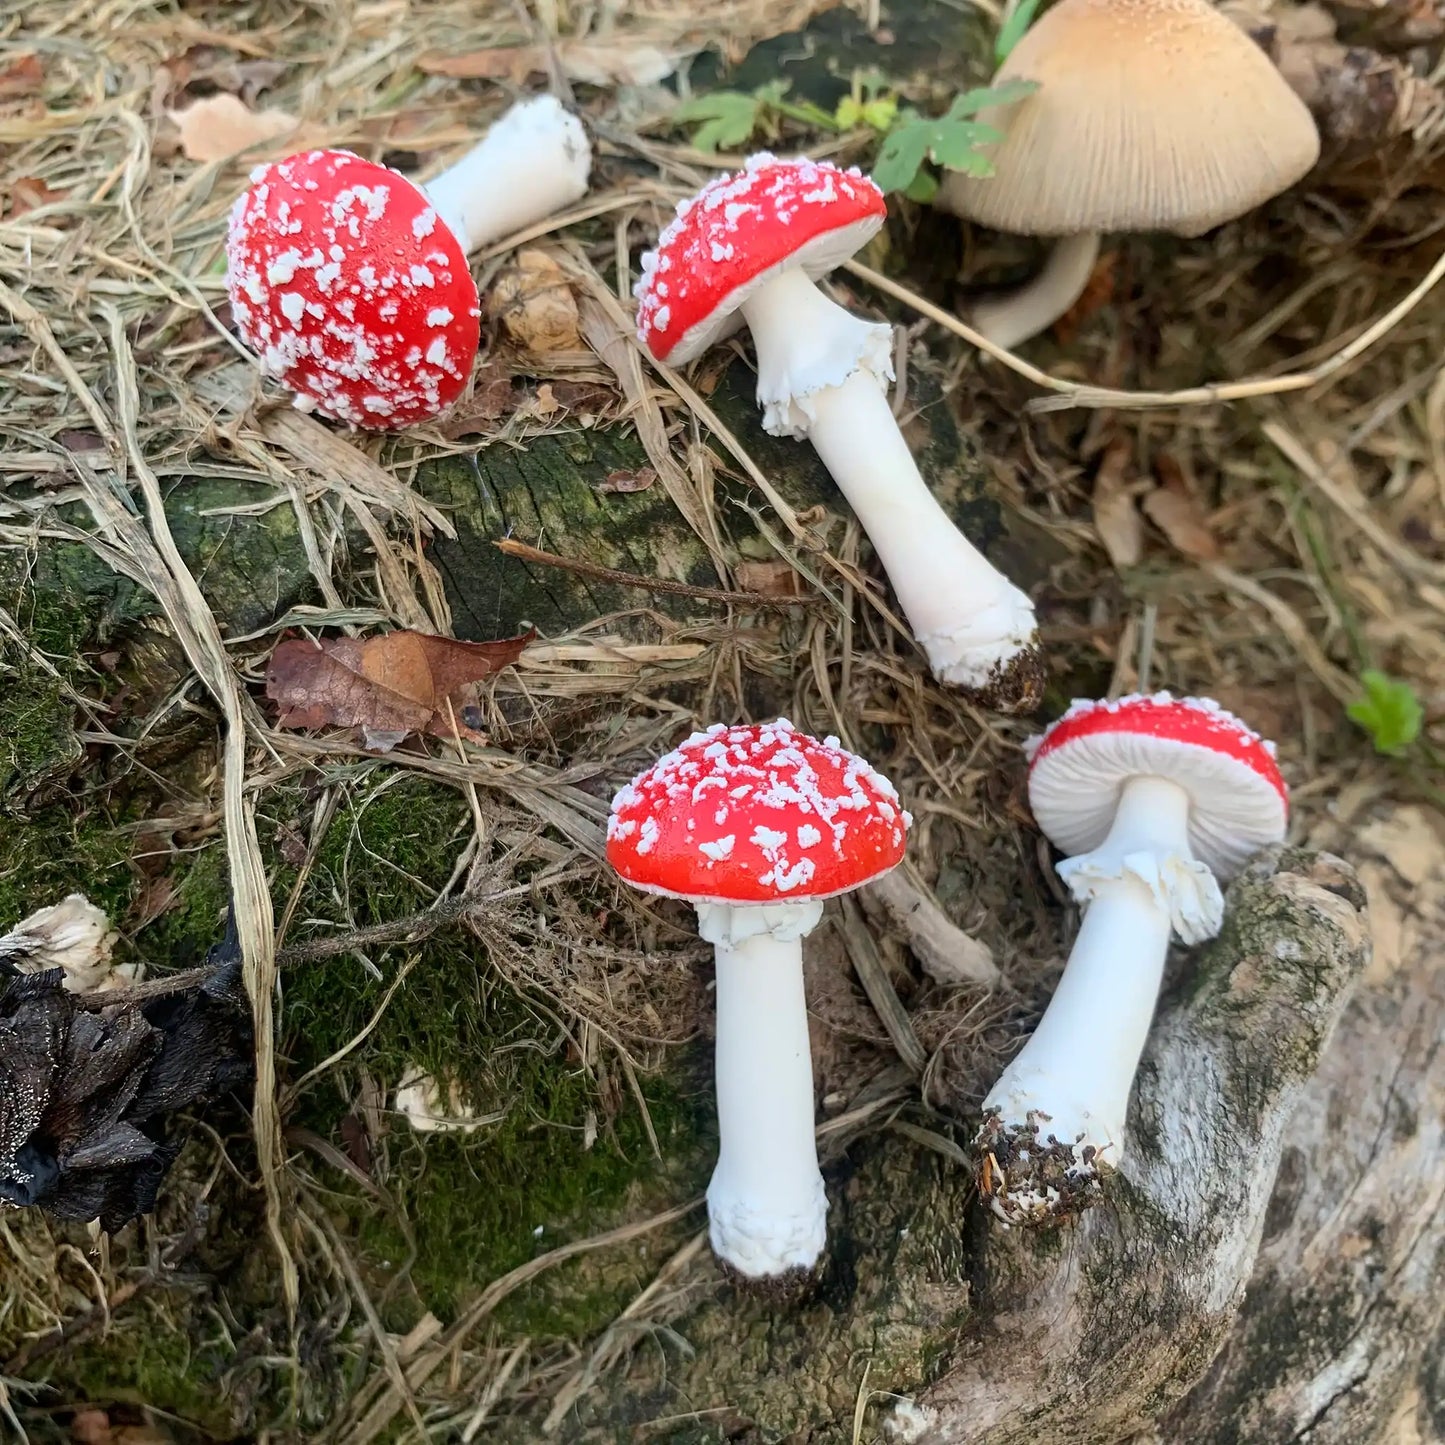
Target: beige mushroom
1151,115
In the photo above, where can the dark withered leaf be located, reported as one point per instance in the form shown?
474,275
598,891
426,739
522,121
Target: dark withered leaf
86,1092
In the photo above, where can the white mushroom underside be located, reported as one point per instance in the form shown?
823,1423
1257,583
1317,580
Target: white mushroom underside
816,258
1074,789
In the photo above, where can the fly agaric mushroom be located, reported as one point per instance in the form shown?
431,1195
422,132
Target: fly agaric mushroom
755,826
350,282
749,248
1151,115
1154,799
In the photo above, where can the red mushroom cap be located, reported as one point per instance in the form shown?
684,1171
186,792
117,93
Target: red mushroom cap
736,234
756,814
1239,802
351,289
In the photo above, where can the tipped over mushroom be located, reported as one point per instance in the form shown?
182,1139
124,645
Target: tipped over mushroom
350,282
74,936
1151,115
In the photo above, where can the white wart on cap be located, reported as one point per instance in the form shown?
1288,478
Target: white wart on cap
756,814
737,234
1238,801
351,290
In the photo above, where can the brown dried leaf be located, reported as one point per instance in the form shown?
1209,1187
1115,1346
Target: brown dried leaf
246,78
625,481
24,77
1180,517
357,1142
535,304
157,897
28,193
1116,519
221,126
388,686
583,396
92,1426
616,62
769,579
492,397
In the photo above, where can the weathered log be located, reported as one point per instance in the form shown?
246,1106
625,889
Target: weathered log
1089,1333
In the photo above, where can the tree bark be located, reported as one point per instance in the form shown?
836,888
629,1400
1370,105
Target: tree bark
1096,1331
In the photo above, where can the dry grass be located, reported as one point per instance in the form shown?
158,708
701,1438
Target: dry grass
1317,549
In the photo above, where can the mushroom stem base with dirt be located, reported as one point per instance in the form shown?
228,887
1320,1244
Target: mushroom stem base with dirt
767,1208
1017,316
533,162
1054,1121
976,627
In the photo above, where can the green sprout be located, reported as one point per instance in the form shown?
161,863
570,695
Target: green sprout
729,119
868,104
911,143
1016,22
1389,711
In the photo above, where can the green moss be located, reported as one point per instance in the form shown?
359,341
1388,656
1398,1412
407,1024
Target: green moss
64,597
182,935
37,735
471,1203
147,1358
252,567
52,852
480,1206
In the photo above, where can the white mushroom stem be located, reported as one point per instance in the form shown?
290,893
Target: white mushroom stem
1010,320
767,1209
1073,1076
533,162
821,374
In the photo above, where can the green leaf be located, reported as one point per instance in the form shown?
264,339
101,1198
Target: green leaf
903,152
1390,712
952,141
973,101
923,188
728,118
1012,30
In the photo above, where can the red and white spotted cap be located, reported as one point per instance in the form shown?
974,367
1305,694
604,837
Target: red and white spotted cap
756,814
351,290
1239,801
739,232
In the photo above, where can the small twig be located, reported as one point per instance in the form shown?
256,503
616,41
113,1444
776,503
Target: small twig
524,553
868,965
416,926
1072,393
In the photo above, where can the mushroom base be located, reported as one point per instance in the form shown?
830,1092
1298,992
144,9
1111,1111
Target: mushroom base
1013,686
1029,1176
782,1291
761,1245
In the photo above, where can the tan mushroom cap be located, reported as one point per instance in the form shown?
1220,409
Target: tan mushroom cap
1151,115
